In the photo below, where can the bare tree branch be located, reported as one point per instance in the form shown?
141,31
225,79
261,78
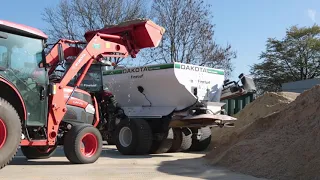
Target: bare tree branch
189,35
70,19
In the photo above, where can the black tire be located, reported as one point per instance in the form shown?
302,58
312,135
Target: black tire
10,140
141,137
163,145
106,137
31,152
204,142
177,140
186,140
73,142
111,142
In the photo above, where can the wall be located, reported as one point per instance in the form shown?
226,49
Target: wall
300,86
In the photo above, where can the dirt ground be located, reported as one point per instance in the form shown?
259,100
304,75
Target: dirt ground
113,165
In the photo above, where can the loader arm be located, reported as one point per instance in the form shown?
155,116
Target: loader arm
102,45
52,58
128,42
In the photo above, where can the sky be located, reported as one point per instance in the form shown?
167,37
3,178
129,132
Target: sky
246,25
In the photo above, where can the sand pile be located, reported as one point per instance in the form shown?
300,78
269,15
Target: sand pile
283,145
264,105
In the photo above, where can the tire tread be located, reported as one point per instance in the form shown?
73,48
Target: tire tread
14,112
204,142
71,143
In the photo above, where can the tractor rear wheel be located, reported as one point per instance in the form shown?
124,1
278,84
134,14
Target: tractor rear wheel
10,132
31,152
133,137
83,144
204,141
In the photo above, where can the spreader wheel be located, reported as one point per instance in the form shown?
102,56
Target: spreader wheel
133,137
83,144
10,132
204,141
177,140
186,138
182,140
164,144
38,152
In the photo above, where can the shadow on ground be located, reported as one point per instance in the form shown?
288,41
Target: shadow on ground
111,152
107,151
23,161
199,168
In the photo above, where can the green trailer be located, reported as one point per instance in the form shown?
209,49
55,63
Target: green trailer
236,96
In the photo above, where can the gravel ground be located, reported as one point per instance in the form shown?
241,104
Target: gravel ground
113,165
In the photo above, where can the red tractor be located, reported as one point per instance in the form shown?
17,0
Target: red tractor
39,113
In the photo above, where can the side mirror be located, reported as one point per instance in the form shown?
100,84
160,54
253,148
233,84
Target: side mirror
241,75
60,53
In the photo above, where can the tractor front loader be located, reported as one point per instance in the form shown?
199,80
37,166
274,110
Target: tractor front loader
61,56
39,113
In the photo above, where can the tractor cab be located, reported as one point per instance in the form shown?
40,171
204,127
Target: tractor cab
92,81
21,59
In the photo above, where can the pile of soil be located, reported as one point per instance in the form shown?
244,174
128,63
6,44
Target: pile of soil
282,145
264,105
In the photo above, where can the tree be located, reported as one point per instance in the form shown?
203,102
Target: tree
189,35
70,19
295,57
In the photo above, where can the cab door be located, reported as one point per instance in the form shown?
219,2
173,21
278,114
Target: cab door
20,57
32,84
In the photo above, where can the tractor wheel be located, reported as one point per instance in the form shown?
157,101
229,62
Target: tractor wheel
186,140
83,144
133,137
10,132
38,152
203,143
177,140
163,145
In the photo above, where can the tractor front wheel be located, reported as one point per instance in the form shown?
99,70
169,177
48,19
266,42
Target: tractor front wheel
83,144
10,132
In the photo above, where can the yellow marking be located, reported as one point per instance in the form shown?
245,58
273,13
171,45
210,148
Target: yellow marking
54,89
107,45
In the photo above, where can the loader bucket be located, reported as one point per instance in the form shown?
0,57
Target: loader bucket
143,32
